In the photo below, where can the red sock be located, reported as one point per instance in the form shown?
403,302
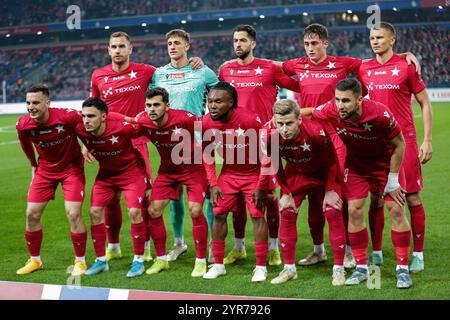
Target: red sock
288,235
218,247
98,233
113,221
273,217
418,226
336,231
138,231
376,224
240,219
401,242
261,248
316,219
159,235
79,243
200,232
34,240
146,216
359,242
345,217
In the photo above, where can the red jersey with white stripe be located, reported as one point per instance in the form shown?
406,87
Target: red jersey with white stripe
175,140
124,91
367,139
256,85
318,81
55,141
236,141
392,84
113,149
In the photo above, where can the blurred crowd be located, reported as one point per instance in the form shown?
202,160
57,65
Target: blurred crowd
27,12
68,72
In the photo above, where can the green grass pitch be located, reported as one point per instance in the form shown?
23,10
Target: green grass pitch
313,282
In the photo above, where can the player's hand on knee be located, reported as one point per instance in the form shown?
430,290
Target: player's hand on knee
333,200
399,196
215,192
286,201
259,198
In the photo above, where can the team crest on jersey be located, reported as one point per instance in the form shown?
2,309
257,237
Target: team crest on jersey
106,79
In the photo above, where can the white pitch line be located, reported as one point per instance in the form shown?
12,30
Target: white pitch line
8,142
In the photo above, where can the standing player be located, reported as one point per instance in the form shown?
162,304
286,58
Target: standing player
52,132
318,74
311,168
187,89
391,81
121,168
256,81
165,127
375,150
232,130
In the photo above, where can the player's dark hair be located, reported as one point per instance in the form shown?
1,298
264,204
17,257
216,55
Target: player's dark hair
178,33
158,91
225,86
97,103
316,29
387,26
119,34
39,87
247,28
286,106
350,84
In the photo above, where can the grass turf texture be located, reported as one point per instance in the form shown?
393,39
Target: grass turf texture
313,282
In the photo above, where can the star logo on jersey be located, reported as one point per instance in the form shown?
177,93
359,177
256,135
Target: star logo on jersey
176,130
386,114
239,132
125,123
231,71
367,126
190,115
106,79
306,146
331,65
132,74
140,199
108,92
114,139
60,128
395,72
369,72
322,133
258,71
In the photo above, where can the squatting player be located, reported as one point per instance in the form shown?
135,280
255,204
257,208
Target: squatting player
391,81
375,150
121,168
311,168
165,128
187,89
231,130
52,132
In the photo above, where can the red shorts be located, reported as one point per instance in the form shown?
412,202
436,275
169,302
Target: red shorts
233,187
133,184
44,184
411,171
167,185
142,147
302,185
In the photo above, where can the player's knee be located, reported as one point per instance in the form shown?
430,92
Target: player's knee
135,215
195,210
154,212
96,215
397,213
33,216
74,215
414,199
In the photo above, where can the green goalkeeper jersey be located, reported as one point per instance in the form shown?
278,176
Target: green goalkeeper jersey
187,87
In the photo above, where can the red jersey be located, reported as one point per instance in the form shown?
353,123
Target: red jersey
113,149
318,81
236,141
173,134
392,84
367,139
256,85
55,141
123,92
